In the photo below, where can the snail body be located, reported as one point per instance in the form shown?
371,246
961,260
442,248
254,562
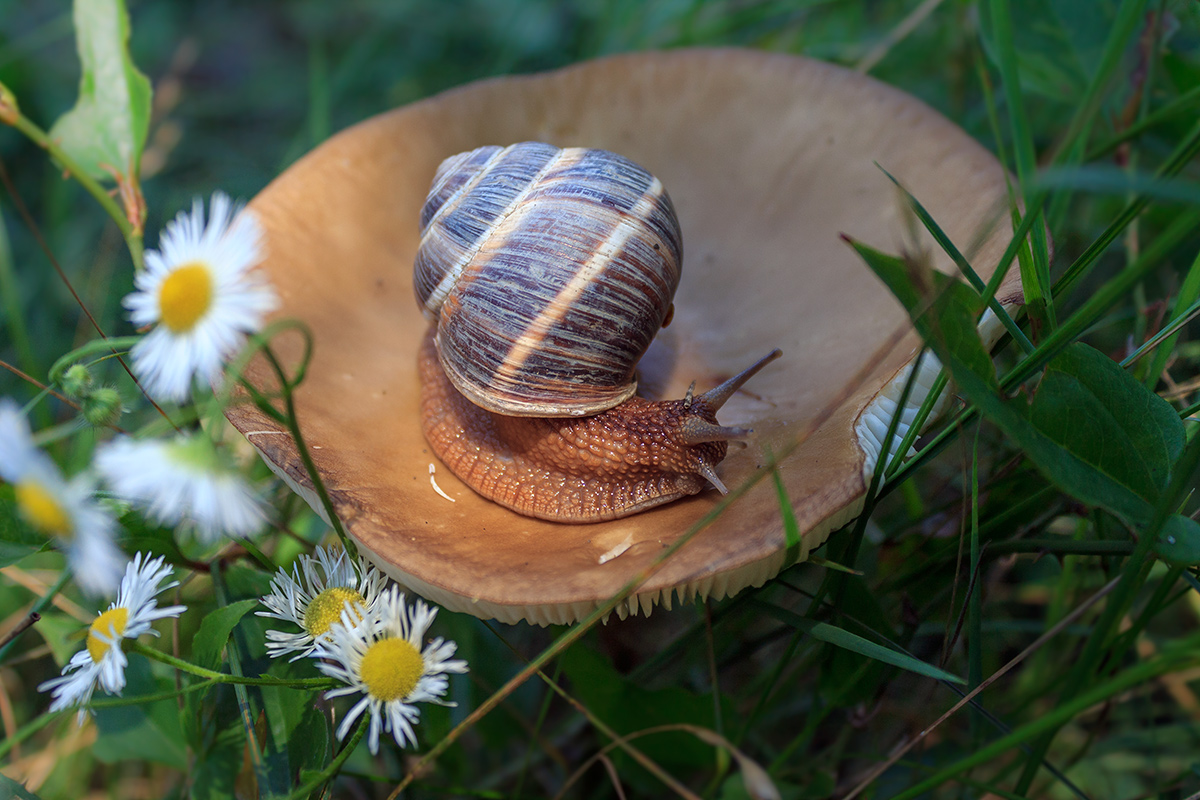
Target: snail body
547,273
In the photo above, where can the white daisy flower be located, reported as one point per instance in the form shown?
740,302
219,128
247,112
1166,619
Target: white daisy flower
181,482
331,581
201,292
381,656
64,510
103,661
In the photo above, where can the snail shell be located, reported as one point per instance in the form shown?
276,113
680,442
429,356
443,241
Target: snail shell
548,271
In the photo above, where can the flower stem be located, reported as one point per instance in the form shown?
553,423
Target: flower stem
132,236
221,677
109,346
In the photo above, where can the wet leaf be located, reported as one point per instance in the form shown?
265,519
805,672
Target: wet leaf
1179,541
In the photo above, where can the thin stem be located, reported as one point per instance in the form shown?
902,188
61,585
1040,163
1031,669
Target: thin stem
108,345
221,677
39,607
243,700
133,238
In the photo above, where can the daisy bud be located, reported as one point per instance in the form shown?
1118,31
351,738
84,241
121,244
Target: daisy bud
77,381
102,407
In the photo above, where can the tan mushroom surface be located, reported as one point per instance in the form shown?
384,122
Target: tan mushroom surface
768,159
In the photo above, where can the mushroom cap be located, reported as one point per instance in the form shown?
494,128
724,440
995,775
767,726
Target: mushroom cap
768,159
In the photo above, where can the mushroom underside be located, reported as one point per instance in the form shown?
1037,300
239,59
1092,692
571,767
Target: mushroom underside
768,160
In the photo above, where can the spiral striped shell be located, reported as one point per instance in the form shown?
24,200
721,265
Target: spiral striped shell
548,273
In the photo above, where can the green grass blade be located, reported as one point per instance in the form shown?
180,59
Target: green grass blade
975,599
839,637
1179,158
1035,273
963,265
1187,103
1179,660
1185,308
1133,575
1105,297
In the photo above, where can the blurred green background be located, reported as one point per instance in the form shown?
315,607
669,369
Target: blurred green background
243,89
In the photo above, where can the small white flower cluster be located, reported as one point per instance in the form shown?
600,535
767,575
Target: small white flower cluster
201,292
177,483
103,661
369,638
201,296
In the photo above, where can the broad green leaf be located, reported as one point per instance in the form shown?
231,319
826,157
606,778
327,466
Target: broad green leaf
64,635
11,789
214,632
838,637
298,732
1179,541
309,743
1092,429
1094,409
143,732
1183,69
1065,469
107,128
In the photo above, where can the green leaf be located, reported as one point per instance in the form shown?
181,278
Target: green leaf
1093,430
1179,541
1094,409
62,634
106,130
299,733
830,634
214,632
145,732
17,791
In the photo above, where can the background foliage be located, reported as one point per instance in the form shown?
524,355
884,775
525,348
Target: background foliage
991,539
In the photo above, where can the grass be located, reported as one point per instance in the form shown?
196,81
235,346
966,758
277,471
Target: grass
986,555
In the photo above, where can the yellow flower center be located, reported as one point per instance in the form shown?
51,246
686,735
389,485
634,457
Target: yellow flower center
326,608
391,669
185,296
110,625
42,509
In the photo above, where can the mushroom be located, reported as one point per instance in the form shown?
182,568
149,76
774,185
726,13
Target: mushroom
769,158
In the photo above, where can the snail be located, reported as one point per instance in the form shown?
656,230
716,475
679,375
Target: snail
546,273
